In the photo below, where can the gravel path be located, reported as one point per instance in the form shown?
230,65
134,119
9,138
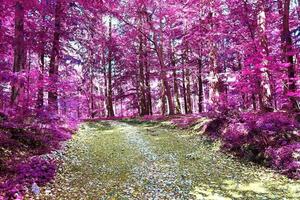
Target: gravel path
158,179
112,160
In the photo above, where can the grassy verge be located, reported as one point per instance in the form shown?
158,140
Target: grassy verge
215,175
97,163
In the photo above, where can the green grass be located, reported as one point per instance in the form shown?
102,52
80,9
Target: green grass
100,159
218,176
99,162
136,122
152,124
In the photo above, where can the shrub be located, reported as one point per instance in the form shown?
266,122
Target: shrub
286,159
270,139
234,138
36,170
23,137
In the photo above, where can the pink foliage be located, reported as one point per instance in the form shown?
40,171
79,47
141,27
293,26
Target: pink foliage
64,61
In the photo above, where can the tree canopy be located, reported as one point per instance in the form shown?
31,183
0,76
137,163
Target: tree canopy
62,61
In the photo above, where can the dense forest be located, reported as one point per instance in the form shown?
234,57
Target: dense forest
236,62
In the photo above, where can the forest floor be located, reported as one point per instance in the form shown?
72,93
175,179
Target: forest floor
134,160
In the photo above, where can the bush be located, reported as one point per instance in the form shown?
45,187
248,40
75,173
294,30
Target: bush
271,139
36,170
234,139
23,138
286,159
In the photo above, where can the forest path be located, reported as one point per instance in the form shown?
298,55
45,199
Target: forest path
132,160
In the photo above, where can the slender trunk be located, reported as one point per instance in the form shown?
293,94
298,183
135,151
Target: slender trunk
78,111
175,81
109,75
53,66
287,48
110,99
168,93
166,88
163,99
105,92
254,102
93,113
28,68
40,100
141,80
244,102
176,93
218,87
188,92
137,89
200,86
184,92
19,49
148,87
102,104
214,90
261,101
106,89
265,96
263,80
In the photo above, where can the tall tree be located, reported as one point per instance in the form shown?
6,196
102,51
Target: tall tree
53,66
287,47
19,48
110,109
42,55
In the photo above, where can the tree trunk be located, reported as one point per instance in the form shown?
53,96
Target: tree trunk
175,81
163,99
109,75
176,93
287,48
53,66
168,93
141,80
106,88
254,102
265,96
200,86
188,92
40,100
216,83
19,48
166,88
148,87
92,113
184,92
